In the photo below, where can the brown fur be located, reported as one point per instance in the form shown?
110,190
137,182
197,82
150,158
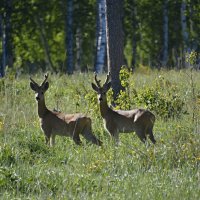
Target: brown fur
140,121
57,123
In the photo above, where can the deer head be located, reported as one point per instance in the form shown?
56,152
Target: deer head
101,91
39,89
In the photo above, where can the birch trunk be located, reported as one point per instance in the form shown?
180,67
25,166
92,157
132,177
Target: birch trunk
101,37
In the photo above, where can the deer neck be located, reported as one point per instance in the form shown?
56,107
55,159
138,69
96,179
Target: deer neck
104,108
42,109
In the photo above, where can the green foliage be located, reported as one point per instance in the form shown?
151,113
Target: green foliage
123,100
2,84
192,57
162,98
91,98
124,76
143,28
8,177
7,155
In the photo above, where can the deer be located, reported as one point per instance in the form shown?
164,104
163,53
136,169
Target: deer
55,123
140,121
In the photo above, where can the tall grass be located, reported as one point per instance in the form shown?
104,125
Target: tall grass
31,170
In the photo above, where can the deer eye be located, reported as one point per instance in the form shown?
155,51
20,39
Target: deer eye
42,92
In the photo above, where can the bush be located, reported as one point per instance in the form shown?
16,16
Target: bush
123,100
162,97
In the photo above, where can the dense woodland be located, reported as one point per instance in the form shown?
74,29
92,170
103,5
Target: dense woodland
64,36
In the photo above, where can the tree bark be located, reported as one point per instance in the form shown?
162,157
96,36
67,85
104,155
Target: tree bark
78,48
101,37
115,42
185,34
134,38
165,34
3,58
69,37
8,34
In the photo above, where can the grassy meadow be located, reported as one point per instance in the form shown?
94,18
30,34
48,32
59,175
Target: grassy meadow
168,170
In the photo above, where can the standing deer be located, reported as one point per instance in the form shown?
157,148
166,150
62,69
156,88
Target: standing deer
57,123
115,121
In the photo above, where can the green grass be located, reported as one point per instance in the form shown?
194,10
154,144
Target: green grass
31,170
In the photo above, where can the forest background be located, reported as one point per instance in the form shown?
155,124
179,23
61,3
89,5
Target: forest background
68,36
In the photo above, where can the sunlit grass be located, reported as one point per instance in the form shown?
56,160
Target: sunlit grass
31,170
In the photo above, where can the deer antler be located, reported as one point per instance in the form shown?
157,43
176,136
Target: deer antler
33,81
97,81
107,78
45,79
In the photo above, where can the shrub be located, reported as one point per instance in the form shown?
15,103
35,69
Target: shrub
123,100
162,97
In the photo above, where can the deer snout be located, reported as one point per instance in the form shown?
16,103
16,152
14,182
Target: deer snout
37,98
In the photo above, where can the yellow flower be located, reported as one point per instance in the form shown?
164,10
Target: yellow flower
198,159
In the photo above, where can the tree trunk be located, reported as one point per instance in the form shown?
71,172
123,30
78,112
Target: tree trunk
44,41
101,37
78,49
191,25
134,38
69,36
165,34
3,58
184,31
114,37
7,34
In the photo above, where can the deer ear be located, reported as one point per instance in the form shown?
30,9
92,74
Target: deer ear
94,87
33,86
108,86
46,86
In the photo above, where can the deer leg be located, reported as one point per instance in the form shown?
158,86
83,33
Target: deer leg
87,134
47,134
116,138
143,138
75,134
52,140
141,134
77,139
114,134
151,137
47,140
